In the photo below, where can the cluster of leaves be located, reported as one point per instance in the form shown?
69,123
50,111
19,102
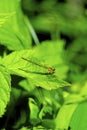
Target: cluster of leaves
53,33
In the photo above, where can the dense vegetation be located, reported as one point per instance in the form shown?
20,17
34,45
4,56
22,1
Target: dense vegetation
43,64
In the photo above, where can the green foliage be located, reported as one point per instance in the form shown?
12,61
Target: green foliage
43,66
77,117
5,88
13,29
36,74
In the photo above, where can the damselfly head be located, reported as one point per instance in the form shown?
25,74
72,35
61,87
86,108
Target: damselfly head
51,70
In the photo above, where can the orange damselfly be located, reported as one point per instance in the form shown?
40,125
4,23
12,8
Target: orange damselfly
50,69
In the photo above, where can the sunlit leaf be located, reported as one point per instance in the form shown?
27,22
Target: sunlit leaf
64,116
5,88
34,110
13,30
79,118
37,75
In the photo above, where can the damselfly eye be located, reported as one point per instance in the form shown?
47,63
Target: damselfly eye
51,70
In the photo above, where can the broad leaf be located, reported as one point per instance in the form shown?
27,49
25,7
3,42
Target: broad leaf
5,87
39,76
64,116
71,112
79,118
13,30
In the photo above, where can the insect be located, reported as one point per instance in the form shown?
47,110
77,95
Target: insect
50,69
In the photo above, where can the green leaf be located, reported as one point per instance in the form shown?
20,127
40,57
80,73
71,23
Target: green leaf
83,90
49,124
74,98
79,118
26,85
71,110
34,110
13,30
5,88
64,116
36,74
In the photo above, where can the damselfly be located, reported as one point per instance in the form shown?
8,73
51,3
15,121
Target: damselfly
50,69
